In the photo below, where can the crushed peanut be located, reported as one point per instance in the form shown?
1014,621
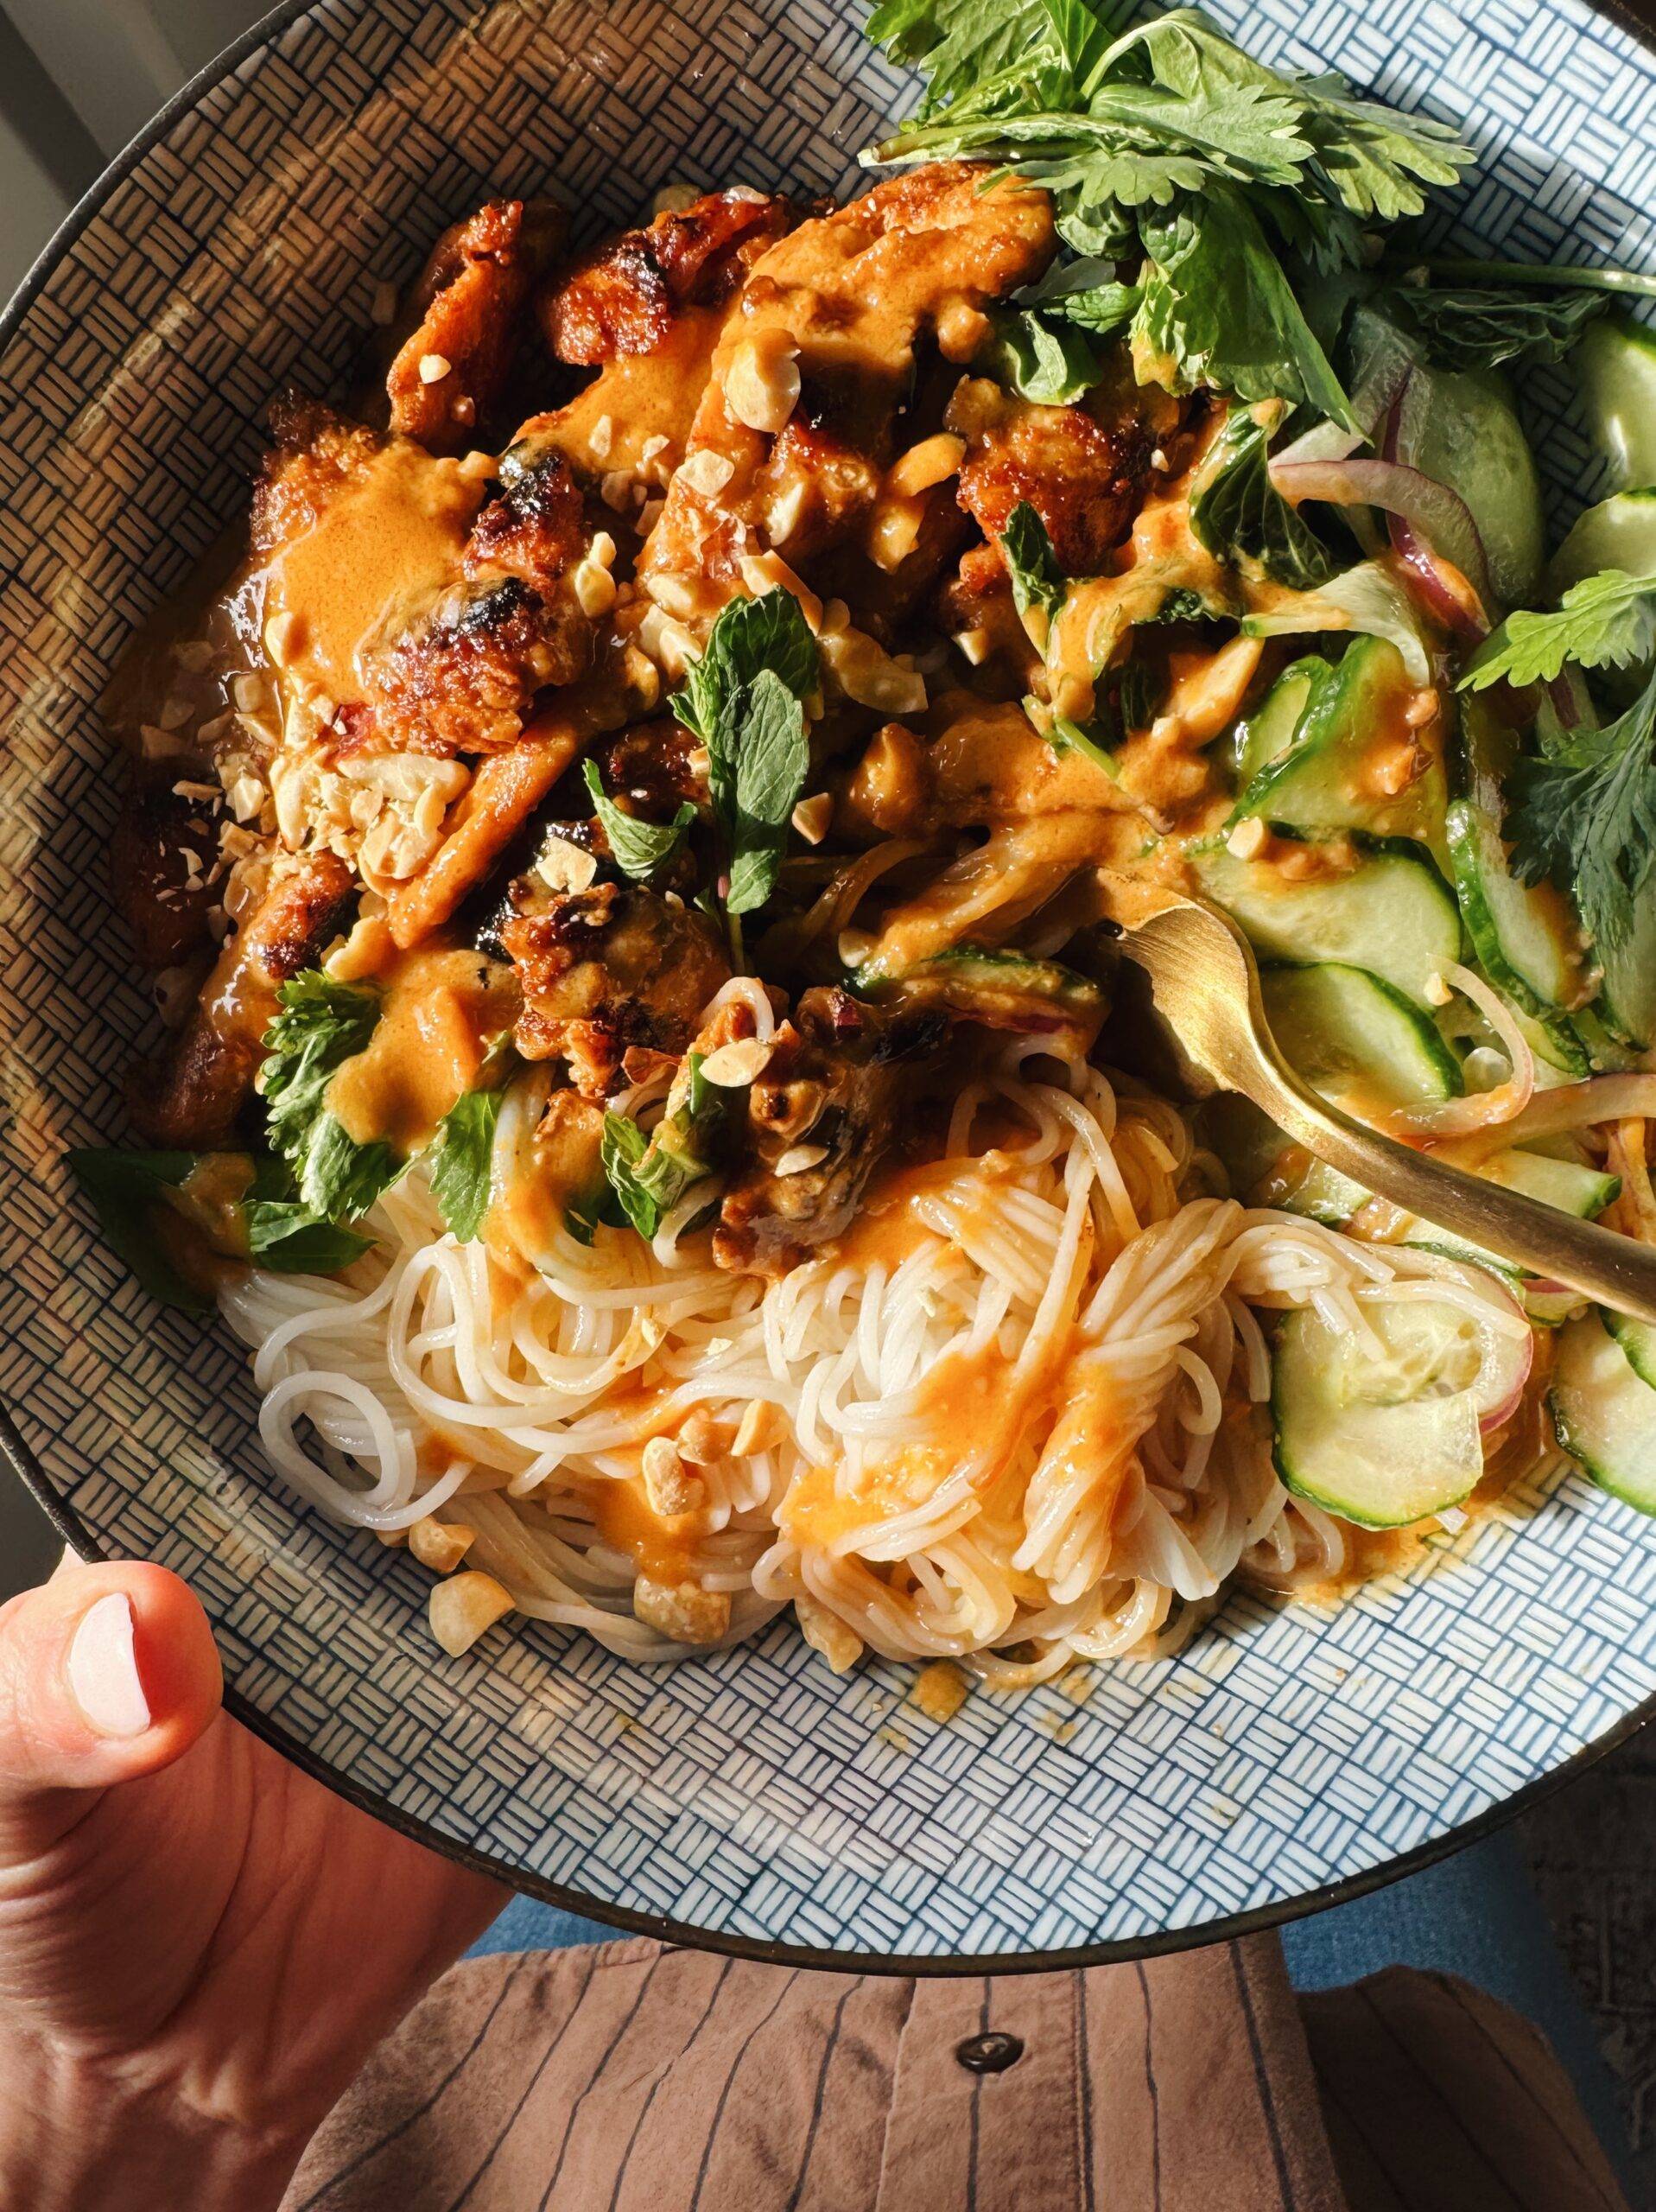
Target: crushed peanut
464,1608
440,1545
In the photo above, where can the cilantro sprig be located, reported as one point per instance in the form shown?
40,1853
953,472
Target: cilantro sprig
1169,143
1586,815
744,700
321,1025
1608,620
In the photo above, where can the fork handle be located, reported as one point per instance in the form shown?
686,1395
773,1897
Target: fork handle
1612,1269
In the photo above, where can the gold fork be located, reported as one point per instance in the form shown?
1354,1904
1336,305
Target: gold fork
1205,985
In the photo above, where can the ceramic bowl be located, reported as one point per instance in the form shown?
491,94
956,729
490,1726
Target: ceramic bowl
752,1800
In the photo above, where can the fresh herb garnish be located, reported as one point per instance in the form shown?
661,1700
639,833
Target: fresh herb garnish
1086,292
1481,326
638,848
459,1161
1145,142
1237,514
744,700
1586,815
773,758
281,1232
321,1025
1604,621
1037,581
649,1174
1049,362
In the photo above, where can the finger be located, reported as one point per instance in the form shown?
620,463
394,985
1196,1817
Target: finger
107,1673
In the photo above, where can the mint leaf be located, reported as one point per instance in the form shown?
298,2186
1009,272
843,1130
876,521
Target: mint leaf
1604,621
321,1025
1239,516
743,699
459,1158
1586,815
623,1146
751,635
638,848
1049,363
1037,580
771,764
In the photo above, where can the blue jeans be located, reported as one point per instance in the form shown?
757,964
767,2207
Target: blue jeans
1474,1915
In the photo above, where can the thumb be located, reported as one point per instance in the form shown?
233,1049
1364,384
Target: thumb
106,1673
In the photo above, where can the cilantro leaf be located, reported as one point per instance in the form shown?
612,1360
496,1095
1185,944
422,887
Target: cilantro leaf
1586,817
1217,309
1037,581
1607,621
771,768
1479,327
1086,292
638,848
1237,514
1042,360
322,1023
459,1161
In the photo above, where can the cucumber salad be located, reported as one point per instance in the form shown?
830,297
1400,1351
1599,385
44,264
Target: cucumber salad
1425,713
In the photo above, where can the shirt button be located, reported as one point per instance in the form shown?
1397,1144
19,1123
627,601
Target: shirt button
991,2054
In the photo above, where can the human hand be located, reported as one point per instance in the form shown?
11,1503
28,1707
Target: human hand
199,1944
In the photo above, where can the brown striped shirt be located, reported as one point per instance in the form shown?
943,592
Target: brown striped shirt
628,2078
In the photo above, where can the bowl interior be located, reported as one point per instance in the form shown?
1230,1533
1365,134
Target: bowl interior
753,1797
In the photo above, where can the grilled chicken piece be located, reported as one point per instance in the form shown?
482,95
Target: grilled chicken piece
191,1100
826,331
606,969
163,900
1083,476
650,308
442,646
470,302
839,1076
624,298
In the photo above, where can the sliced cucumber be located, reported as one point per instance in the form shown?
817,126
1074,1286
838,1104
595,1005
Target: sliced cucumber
1638,1340
1627,999
1615,364
1323,778
1618,533
1605,1055
1461,426
1385,1433
1604,1414
1393,913
1554,1038
1357,1039
1270,729
1523,934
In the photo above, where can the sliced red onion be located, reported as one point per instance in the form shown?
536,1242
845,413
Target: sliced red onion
1433,516
1564,702
1435,584
1499,1415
